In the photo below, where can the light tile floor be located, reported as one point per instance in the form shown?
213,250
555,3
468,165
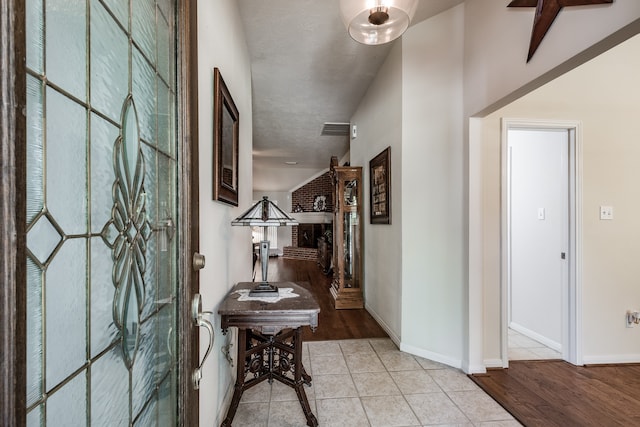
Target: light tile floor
369,382
525,348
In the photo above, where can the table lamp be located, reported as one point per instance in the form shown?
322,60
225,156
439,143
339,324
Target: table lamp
264,214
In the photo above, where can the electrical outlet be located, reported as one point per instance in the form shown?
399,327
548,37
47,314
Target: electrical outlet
606,212
632,318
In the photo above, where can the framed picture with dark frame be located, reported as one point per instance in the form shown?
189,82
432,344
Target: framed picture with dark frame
225,143
380,188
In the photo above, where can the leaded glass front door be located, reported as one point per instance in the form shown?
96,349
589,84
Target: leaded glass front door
102,167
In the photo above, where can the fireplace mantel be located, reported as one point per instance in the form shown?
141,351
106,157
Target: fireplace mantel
313,217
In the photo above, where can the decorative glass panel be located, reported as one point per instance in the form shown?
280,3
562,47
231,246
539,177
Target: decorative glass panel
66,159
34,34
151,273
144,27
35,180
129,216
144,92
165,118
143,375
166,349
66,307
103,135
103,331
120,8
109,63
66,44
42,239
68,406
34,417
165,47
149,416
109,391
34,333
166,240
166,8
101,212
166,397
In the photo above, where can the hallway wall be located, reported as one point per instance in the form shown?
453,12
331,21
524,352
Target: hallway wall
221,44
414,281
379,121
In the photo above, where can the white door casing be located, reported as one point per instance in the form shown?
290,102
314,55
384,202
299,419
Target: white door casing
540,222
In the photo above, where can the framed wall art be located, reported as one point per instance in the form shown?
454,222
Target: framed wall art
225,143
380,188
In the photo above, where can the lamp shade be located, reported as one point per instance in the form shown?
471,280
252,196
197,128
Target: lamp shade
375,22
264,214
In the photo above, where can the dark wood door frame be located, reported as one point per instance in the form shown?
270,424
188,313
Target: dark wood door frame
188,87
12,213
13,209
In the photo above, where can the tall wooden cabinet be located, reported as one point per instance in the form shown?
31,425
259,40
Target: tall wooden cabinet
346,287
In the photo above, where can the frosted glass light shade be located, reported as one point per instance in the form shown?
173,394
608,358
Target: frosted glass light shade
375,22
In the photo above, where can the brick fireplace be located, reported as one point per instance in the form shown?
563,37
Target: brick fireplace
306,202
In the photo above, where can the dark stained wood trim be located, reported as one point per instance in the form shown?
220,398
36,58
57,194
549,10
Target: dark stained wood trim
188,404
12,214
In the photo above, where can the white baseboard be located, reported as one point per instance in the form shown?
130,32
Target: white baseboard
554,345
436,357
394,337
226,402
608,359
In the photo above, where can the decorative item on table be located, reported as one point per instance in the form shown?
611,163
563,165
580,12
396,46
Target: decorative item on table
264,214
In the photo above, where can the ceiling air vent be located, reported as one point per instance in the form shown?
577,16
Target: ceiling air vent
335,129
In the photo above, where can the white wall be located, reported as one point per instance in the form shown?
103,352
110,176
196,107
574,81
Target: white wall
414,280
497,41
221,44
608,110
433,224
379,121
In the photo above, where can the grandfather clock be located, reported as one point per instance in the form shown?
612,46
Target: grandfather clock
346,287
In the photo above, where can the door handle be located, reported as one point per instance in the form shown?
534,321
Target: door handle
198,261
201,322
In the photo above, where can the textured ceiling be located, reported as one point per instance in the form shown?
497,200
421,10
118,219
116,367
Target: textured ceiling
305,71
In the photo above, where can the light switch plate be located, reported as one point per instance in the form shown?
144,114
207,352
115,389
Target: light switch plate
606,212
540,213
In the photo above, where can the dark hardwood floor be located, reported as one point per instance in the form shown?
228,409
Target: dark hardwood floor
556,393
332,324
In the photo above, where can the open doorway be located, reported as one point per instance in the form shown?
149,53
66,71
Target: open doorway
539,240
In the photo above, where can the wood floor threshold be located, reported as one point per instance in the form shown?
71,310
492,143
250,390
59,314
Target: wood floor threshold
556,393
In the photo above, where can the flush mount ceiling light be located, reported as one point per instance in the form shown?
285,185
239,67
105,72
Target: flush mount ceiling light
375,22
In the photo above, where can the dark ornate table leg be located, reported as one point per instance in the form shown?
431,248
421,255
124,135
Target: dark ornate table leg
240,373
300,377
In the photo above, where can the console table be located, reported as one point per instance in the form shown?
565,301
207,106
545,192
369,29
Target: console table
270,341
